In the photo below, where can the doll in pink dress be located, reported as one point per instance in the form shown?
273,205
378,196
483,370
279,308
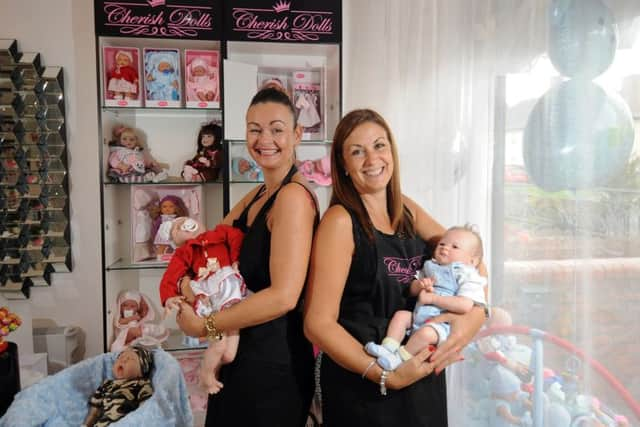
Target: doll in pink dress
122,79
133,317
210,259
202,81
206,164
127,160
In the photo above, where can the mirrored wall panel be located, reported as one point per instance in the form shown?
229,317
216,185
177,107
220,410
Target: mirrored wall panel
34,194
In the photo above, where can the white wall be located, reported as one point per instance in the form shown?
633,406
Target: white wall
63,32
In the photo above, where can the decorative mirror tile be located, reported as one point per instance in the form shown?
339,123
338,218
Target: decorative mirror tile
34,196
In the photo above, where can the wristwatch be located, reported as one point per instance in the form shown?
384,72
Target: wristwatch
213,334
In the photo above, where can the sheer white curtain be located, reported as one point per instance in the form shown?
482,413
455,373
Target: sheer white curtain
442,72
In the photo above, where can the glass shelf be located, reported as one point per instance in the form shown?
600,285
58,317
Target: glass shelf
121,264
175,342
245,182
155,110
170,181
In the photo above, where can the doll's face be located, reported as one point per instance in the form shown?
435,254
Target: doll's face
165,67
244,165
129,307
122,60
198,71
168,208
456,246
128,139
184,229
127,365
207,140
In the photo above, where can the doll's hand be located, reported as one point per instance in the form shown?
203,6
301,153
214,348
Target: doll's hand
418,285
463,328
236,266
411,371
172,304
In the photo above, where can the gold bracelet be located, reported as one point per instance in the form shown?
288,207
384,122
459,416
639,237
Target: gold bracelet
213,334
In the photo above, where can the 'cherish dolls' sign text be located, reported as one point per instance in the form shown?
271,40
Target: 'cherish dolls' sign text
286,20
157,18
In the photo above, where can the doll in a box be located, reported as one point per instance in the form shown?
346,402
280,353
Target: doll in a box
122,79
166,210
133,317
128,162
162,70
202,81
206,164
208,260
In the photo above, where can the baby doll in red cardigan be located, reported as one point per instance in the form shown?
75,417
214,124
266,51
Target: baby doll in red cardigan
208,261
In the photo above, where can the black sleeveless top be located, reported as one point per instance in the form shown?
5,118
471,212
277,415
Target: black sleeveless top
270,381
377,286
258,341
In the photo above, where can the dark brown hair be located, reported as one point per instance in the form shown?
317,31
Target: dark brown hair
272,94
344,192
210,129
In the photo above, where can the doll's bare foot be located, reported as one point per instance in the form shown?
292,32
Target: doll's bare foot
210,382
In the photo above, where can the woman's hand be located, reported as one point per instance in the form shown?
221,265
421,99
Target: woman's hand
411,371
189,322
463,328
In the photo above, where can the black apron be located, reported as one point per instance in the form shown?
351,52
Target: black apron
377,286
270,382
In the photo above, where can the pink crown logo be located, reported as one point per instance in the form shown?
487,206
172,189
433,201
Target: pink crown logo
154,3
282,6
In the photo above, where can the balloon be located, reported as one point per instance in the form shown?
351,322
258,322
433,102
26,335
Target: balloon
582,37
577,136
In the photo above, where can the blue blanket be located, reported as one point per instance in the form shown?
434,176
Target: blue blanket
62,399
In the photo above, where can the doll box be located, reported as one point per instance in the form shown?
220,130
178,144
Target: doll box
308,98
121,76
162,78
202,78
146,244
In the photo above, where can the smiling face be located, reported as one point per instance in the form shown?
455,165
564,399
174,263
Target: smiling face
168,208
271,135
128,139
457,246
368,158
127,365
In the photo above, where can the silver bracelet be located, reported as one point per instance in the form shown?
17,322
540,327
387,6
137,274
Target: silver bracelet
383,380
364,374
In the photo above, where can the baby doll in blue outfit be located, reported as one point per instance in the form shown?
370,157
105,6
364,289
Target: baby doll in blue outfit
163,73
448,282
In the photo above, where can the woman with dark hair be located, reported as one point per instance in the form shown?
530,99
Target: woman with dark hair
270,382
368,247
